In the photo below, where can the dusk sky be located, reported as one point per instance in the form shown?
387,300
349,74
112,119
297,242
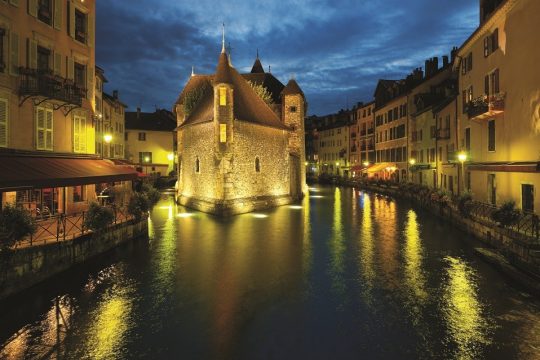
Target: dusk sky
337,50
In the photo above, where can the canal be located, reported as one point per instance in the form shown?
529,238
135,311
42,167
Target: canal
344,275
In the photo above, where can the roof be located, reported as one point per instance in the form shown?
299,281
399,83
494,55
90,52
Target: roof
22,171
257,67
292,88
248,106
269,81
160,120
113,99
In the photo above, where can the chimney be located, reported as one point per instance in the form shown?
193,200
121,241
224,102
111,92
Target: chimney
453,53
138,112
115,94
435,64
427,68
445,60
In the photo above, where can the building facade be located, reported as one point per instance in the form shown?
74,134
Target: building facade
113,126
150,141
362,135
237,152
498,107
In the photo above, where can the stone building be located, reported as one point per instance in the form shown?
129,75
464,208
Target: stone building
237,152
499,106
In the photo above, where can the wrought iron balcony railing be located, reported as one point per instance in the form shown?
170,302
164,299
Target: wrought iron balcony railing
486,106
44,83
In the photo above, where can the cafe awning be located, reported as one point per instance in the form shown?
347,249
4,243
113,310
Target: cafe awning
23,172
380,167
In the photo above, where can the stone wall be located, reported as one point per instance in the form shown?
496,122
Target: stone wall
26,267
294,114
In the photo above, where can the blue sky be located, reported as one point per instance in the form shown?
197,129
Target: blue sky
337,50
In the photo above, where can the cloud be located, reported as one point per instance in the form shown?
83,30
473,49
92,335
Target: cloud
337,50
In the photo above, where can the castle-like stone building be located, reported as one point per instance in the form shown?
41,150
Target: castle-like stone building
240,141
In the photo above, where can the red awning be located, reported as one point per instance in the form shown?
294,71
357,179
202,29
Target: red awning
22,172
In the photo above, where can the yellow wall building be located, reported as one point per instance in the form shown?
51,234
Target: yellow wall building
362,139
499,104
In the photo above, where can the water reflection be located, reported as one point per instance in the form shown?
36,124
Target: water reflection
412,252
367,245
337,251
463,311
387,241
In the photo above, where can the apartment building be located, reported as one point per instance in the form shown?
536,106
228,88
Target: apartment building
113,122
362,139
47,107
498,106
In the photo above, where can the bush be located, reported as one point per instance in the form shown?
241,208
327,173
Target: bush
15,225
98,217
138,205
152,194
505,215
464,204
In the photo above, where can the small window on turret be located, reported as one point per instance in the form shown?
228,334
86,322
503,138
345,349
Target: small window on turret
222,96
197,166
292,109
257,165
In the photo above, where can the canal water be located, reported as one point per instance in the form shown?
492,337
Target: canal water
344,275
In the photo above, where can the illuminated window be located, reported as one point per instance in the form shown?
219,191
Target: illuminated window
223,133
222,96
79,193
257,165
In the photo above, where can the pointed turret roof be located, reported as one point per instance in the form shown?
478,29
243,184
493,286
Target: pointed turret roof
223,71
257,67
292,88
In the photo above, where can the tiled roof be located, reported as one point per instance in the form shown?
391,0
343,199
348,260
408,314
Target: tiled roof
160,120
257,67
223,71
269,81
292,88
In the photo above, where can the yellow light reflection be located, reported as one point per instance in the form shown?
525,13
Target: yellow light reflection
185,215
463,311
296,207
259,216
316,196
414,274
367,249
337,249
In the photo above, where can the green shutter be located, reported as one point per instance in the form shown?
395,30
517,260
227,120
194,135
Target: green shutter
32,54
3,122
70,68
58,13
14,53
90,26
49,129
76,134
89,81
71,19
40,128
33,7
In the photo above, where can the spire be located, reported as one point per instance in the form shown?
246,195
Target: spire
257,66
223,39
192,70
257,53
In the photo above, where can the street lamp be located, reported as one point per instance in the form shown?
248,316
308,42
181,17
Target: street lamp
462,157
366,163
412,161
146,161
170,156
108,138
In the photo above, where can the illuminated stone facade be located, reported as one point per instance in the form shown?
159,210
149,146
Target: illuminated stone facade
236,152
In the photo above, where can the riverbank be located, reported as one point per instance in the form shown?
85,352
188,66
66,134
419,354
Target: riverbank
25,267
515,254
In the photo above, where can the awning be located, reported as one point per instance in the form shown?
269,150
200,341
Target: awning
380,167
523,167
23,172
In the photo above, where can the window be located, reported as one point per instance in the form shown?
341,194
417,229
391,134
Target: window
4,111
491,43
197,165
527,197
292,109
43,56
491,135
466,64
80,26
257,164
79,134
2,60
79,193
468,139
222,96
492,189
145,157
142,136
44,128
494,82
80,75
126,136
222,133
44,11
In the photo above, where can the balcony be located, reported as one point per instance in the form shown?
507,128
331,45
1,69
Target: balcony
370,131
486,106
36,83
443,134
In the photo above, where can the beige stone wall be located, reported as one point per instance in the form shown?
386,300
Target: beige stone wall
159,143
297,137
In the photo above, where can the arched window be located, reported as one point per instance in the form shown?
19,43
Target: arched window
197,165
257,164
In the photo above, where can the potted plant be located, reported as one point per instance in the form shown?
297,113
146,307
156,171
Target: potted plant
506,214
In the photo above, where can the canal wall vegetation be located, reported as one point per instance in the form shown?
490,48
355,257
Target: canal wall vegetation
514,236
24,267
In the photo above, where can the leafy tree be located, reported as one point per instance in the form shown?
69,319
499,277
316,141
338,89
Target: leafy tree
192,98
262,92
98,217
138,205
15,225
506,215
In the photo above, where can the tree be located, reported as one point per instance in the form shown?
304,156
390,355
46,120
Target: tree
262,92
15,225
98,217
138,205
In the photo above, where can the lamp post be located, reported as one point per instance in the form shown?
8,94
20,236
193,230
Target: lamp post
146,161
412,161
462,157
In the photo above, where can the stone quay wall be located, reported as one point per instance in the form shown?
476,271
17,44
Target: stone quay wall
23,268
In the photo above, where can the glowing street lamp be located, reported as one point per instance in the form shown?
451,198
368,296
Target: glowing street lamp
170,156
107,138
412,161
462,157
366,163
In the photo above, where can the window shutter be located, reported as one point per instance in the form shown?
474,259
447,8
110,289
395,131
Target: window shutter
486,46
82,134
495,40
32,54
3,122
76,134
89,81
496,81
486,85
57,64
70,68
14,53
49,129
58,13
90,30
469,62
14,2
40,128
33,7
71,19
